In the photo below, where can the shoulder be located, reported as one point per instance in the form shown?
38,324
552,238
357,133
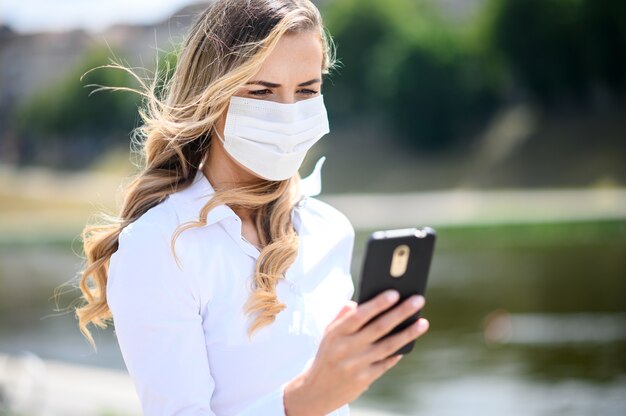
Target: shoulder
158,224
147,240
329,215
156,220
144,261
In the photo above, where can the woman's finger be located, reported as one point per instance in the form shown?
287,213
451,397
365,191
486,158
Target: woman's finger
380,367
385,347
352,321
383,324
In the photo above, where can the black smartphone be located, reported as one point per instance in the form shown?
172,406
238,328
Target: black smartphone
397,259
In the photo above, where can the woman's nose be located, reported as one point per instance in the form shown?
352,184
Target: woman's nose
286,98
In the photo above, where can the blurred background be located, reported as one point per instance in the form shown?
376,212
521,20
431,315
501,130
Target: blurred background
500,123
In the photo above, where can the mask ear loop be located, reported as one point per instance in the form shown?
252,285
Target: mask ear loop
214,129
218,135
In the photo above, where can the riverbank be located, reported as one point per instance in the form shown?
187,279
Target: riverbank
39,205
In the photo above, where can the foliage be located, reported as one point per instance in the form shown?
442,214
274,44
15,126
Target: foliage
435,81
67,110
74,121
403,62
560,49
432,81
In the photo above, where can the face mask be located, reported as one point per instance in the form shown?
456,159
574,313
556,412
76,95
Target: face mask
270,138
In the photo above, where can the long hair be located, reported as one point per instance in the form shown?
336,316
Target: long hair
225,46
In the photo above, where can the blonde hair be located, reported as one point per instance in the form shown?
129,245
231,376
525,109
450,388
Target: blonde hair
224,48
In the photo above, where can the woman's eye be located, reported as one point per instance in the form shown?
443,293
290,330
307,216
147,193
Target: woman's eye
260,92
267,91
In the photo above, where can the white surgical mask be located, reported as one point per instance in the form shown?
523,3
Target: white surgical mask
270,138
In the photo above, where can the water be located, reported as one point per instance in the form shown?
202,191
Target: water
525,320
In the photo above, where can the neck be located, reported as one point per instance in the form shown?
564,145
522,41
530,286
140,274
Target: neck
224,173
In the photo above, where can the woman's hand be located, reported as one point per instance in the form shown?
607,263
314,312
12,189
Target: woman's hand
349,359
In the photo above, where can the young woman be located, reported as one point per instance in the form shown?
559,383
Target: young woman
227,281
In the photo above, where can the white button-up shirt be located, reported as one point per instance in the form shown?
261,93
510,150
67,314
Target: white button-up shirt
182,333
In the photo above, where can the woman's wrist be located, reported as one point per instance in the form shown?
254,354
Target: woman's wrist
297,400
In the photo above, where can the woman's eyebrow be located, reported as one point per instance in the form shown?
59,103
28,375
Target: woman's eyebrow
273,85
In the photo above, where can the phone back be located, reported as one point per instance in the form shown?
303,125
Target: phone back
383,263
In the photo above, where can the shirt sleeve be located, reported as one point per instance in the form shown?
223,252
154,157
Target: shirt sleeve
158,324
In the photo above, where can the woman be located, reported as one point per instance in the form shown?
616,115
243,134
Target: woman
227,281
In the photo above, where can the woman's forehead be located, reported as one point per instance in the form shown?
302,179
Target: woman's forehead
296,58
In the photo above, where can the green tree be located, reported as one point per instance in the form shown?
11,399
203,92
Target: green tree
402,61
67,110
83,122
560,50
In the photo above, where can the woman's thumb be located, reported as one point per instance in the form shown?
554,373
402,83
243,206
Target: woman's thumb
348,306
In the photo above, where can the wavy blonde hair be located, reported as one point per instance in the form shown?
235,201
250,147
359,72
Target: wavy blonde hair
225,47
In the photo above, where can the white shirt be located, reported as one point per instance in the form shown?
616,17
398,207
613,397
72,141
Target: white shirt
182,334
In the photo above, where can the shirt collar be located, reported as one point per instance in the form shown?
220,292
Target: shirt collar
197,194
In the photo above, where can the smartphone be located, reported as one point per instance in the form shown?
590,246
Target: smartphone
397,259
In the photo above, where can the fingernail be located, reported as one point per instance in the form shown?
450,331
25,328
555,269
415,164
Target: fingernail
392,295
415,301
